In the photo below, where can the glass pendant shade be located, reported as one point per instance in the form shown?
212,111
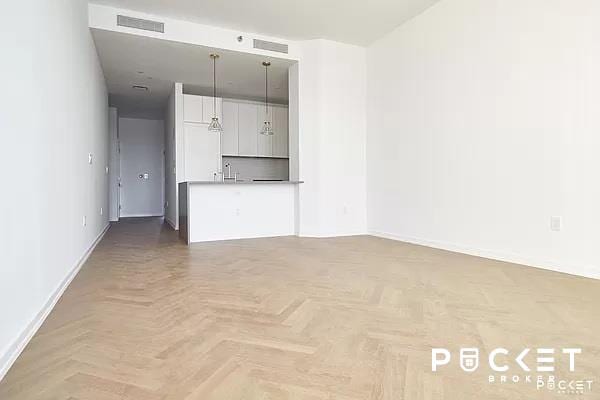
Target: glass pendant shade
267,129
215,125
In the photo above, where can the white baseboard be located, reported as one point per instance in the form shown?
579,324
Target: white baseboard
578,270
140,215
7,359
324,235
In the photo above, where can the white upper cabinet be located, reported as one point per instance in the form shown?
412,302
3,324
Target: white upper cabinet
202,158
208,109
230,135
247,128
199,109
242,122
265,143
192,108
280,131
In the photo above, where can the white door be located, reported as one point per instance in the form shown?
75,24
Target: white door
229,137
142,167
202,157
248,134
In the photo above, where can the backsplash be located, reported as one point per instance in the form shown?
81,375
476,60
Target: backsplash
258,168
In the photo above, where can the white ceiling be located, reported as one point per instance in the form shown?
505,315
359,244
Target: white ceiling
350,21
129,60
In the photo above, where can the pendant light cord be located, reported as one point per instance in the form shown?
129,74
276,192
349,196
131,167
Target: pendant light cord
215,87
267,91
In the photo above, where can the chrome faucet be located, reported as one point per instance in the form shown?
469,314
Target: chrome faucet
229,177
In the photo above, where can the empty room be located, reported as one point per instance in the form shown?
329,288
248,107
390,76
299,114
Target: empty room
276,200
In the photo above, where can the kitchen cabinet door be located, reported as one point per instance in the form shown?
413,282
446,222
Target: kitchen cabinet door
248,134
265,143
229,138
202,157
281,132
208,109
192,108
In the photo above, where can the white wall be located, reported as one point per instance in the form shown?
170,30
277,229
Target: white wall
142,145
104,17
332,139
54,112
174,150
170,164
483,123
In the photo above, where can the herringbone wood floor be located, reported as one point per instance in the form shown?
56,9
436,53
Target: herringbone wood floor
291,318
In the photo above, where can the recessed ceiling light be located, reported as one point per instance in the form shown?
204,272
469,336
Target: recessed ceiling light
140,88
140,72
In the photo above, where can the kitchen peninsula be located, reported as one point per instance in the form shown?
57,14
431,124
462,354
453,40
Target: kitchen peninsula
210,210
235,183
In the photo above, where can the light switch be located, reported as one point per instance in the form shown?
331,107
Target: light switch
90,158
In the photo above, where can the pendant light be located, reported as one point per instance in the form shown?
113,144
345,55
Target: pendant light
214,125
267,129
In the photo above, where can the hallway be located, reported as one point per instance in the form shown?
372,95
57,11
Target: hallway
294,318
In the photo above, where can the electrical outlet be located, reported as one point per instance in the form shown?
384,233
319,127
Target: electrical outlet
84,221
556,223
345,210
237,211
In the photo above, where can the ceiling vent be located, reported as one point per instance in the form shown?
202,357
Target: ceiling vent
270,46
143,24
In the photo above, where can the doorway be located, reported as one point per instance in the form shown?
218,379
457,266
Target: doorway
141,167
